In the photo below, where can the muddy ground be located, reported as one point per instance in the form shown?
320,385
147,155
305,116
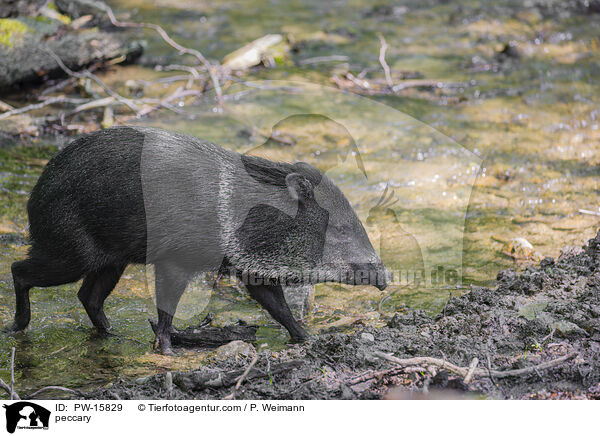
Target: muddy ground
545,312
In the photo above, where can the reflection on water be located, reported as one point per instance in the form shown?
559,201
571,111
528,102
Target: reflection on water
515,152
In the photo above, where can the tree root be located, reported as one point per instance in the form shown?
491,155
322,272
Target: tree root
469,373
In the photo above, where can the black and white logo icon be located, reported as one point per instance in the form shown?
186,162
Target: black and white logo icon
26,415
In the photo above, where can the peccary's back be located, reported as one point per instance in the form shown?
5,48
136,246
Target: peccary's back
126,193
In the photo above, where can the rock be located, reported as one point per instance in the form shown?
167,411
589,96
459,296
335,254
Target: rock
252,54
532,310
232,349
521,248
367,337
142,380
567,328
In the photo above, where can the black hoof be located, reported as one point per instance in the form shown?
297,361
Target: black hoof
163,346
299,339
103,333
167,351
14,328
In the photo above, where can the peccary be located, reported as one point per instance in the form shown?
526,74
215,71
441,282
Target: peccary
143,195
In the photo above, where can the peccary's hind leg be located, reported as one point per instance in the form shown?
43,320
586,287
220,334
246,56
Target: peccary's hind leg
23,309
42,272
96,287
273,300
171,281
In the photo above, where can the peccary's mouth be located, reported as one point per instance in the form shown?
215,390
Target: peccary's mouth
369,274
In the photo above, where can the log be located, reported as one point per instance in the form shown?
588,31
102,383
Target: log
25,58
210,337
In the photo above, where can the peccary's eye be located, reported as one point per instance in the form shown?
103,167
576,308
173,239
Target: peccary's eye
339,228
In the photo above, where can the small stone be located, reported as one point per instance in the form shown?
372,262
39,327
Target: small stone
232,349
367,337
142,380
567,328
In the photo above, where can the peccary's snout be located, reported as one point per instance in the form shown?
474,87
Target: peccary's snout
373,273
383,277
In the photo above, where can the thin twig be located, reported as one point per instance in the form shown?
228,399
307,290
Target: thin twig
12,374
307,382
169,384
7,389
164,35
471,371
88,75
549,336
489,367
321,59
55,388
242,377
195,75
94,104
179,93
382,61
589,212
31,107
374,374
417,83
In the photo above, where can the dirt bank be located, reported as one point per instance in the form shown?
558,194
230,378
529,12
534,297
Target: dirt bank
529,319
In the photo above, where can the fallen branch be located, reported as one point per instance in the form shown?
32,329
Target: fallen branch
475,372
231,396
211,337
384,65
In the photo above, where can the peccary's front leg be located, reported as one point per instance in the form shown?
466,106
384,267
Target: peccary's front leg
273,300
171,282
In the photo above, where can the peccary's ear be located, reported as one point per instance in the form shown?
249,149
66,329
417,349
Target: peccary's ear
299,186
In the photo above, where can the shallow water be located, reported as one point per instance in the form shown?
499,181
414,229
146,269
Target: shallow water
512,152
